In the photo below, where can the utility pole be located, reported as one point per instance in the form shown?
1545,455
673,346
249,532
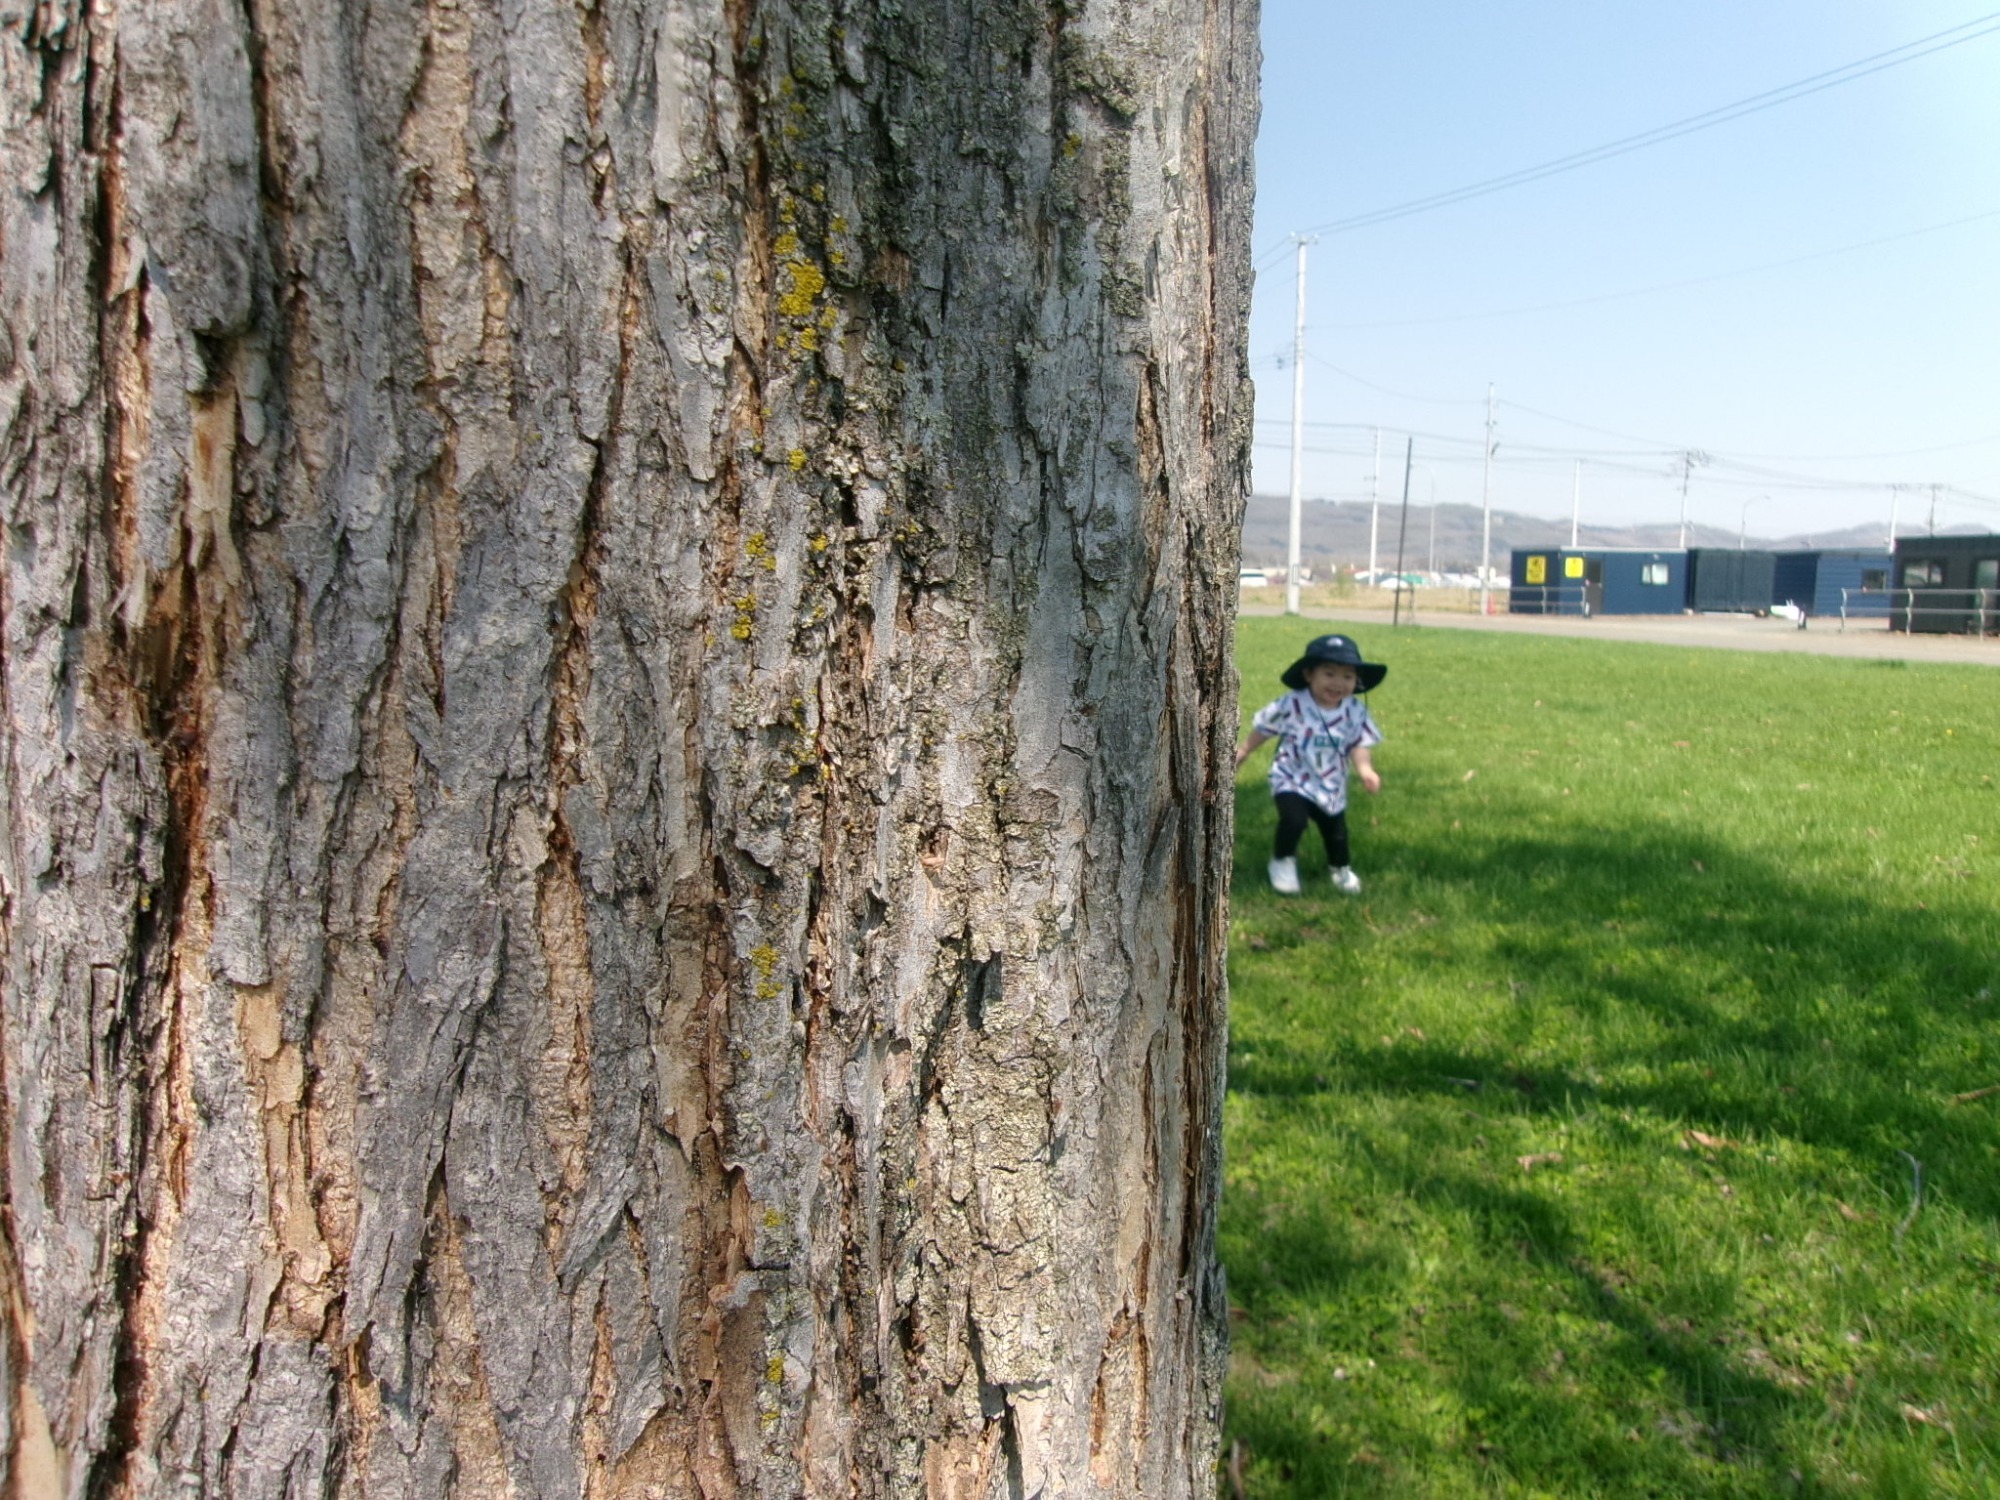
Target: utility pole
1687,468
1374,507
1895,494
1402,531
1575,502
1430,475
1298,435
1689,459
1743,521
1930,527
1486,514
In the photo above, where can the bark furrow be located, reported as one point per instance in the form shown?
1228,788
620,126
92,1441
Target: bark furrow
617,709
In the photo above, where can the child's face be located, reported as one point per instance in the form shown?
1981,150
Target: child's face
1329,682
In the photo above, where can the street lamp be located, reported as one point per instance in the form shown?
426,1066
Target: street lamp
1486,513
1430,476
1743,521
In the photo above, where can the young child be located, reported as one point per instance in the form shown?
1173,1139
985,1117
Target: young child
1321,729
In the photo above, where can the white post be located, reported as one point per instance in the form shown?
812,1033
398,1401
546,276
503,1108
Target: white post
1895,494
1374,507
1575,502
1486,515
1687,468
1298,437
1430,475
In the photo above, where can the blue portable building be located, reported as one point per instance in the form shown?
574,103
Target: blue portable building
1814,581
1596,581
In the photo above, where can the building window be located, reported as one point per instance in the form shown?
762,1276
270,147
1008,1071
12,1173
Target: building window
1923,573
1874,578
1986,573
1653,573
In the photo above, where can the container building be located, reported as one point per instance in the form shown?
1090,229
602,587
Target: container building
1832,583
1596,581
1729,580
1946,585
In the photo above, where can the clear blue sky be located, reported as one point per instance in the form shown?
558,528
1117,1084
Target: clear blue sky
1807,371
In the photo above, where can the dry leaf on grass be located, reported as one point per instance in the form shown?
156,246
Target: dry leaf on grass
1852,1215
1928,1416
1469,775
1971,1094
1706,1141
1536,1159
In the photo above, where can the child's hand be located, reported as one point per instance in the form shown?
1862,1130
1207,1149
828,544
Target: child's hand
1364,768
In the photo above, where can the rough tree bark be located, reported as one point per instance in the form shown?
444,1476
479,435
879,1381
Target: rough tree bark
616,707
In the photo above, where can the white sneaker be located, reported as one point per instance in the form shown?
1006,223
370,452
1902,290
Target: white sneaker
1346,881
1285,876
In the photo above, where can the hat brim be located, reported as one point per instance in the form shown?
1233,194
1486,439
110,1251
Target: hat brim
1368,675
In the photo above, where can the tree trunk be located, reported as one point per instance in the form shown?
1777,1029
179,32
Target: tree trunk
617,712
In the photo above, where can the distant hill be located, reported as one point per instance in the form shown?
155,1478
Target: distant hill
1334,533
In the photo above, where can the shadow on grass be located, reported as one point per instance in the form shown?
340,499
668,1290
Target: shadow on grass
1726,1429
1729,1429
1777,1007
1735,996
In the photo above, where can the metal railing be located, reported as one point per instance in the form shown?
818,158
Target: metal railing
1547,599
1863,604
1941,611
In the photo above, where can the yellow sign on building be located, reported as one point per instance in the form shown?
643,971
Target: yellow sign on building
1538,570
1572,567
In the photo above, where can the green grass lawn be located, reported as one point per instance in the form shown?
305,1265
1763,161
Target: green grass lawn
1569,1159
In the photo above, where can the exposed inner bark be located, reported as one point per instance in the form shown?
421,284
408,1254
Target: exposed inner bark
617,711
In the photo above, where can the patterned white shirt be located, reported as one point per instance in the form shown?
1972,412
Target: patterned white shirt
1313,745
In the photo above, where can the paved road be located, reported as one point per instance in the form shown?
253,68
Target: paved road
1861,638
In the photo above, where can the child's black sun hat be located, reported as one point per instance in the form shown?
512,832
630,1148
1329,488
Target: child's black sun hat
1342,652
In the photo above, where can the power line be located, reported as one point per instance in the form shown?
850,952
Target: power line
1770,99
1600,431
1668,286
1564,453
1843,458
1385,390
1656,447
1735,475
1740,458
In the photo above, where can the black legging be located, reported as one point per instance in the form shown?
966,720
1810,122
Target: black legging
1294,812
